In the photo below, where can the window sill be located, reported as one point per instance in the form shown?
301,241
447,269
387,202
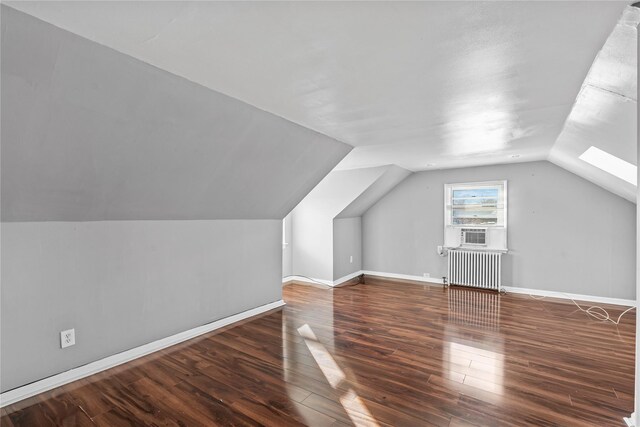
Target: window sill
476,249
476,226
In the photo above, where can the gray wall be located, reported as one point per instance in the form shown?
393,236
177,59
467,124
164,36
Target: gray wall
342,194
312,242
313,219
122,284
90,136
347,242
565,233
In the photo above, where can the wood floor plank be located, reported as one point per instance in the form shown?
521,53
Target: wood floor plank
382,353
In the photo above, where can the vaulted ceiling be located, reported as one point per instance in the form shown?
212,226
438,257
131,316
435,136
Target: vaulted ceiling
349,193
422,85
604,114
89,133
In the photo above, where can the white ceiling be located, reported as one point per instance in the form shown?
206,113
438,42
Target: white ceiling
420,85
605,112
391,177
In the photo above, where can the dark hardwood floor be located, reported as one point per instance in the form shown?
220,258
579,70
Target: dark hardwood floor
382,353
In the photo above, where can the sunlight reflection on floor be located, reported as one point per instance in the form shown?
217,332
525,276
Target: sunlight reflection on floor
351,402
323,358
486,367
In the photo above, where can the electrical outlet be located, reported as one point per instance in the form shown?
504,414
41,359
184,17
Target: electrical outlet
426,275
351,259
67,338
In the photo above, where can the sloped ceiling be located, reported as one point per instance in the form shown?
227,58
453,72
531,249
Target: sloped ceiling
89,133
391,177
349,193
338,190
605,112
422,85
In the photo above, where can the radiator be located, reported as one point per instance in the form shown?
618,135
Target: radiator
475,269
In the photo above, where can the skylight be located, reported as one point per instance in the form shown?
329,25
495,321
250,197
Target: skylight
611,164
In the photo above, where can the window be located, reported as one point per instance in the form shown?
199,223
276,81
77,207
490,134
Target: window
476,204
284,233
611,164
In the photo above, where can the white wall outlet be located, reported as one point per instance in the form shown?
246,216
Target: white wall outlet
426,275
67,338
351,259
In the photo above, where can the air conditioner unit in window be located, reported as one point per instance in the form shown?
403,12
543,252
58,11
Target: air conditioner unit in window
473,236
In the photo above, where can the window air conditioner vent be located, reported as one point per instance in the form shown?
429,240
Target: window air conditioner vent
474,236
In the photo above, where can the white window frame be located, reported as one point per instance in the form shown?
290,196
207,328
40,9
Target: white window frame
502,200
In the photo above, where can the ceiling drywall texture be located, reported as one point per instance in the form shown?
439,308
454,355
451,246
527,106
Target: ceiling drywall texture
337,191
391,177
604,113
422,85
349,193
89,133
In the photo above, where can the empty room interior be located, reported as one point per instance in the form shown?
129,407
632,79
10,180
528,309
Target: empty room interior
319,213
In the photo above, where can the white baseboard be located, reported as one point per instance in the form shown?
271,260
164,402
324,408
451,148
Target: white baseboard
403,276
310,280
631,421
20,393
577,297
537,292
347,278
433,280
315,281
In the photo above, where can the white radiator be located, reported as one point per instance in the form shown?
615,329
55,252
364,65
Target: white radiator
474,268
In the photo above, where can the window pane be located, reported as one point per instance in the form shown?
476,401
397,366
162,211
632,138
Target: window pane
476,196
475,221
475,206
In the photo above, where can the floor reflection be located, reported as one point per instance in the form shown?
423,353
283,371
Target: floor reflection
474,308
473,352
321,311
350,400
323,358
484,368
